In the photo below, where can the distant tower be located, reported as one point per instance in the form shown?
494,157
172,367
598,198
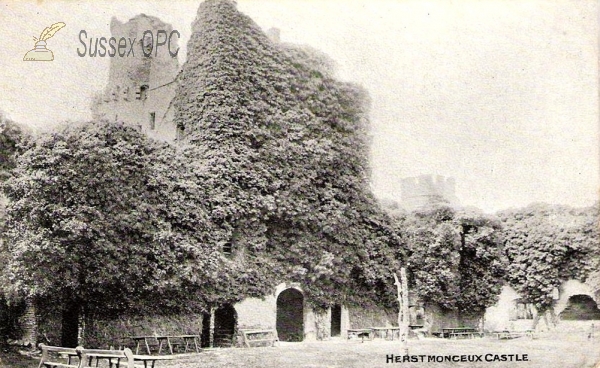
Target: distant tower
140,88
274,34
427,189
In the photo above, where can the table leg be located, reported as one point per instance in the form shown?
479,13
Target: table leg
196,344
170,345
137,347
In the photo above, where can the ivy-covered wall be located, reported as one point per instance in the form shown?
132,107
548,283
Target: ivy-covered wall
116,332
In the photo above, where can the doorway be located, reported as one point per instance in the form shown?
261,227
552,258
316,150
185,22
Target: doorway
336,320
290,315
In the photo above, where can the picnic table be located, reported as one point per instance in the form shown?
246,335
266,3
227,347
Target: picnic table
385,332
187,341
138,340
460,332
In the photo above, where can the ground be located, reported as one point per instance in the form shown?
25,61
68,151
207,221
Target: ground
570,350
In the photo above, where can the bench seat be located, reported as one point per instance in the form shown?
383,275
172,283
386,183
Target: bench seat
58,365
51,353
515,334
256,337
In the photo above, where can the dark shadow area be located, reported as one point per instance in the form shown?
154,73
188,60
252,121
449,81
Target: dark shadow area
225,325
336,320
205,337
580,308
290,315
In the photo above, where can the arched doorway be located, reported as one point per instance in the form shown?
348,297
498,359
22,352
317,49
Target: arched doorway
580,307
225,324
336,320
290,315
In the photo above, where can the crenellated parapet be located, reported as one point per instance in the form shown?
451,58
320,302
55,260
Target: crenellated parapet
421,190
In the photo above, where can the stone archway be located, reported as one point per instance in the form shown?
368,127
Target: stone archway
290,315
569,289
580,307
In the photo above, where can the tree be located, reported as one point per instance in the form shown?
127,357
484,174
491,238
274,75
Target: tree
97,223
13,138
547,245
455,258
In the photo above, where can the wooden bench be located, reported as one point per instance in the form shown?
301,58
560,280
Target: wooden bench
469,335
51,355
360,333
252,337
387,333
460,332
118,358
507,334
115,358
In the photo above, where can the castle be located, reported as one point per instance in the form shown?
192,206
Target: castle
427,189
140,92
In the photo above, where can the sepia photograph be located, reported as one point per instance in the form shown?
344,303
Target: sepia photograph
299,183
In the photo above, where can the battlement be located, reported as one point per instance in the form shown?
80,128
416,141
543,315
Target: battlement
151,62
421,190
142,85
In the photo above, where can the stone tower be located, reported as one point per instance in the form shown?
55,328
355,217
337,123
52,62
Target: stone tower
427,189
141,84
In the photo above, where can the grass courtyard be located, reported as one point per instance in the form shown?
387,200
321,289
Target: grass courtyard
569,350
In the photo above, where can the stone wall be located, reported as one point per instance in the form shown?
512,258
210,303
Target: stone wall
360,317
501,316
436,318
257,313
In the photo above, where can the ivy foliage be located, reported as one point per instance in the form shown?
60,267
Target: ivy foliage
285,147
454,257
100,216
547,245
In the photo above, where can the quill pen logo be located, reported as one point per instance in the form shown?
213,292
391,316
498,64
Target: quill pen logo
40,52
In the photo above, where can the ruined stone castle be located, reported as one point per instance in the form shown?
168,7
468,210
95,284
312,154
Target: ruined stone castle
139,93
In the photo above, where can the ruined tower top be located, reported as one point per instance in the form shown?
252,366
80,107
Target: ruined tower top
427,189
142,77
151,61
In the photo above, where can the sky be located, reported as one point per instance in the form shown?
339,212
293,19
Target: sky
500,95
